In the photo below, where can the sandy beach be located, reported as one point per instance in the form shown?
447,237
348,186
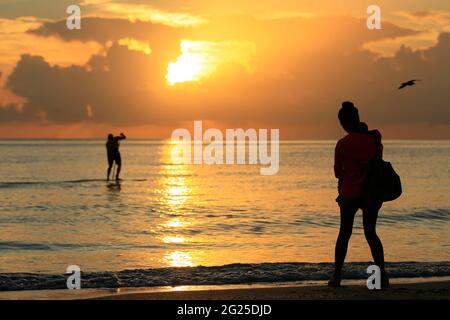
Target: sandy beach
401,289
421,290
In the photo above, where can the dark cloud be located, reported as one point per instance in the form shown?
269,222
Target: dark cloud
228,28
51,92
115,92
164,40
429,101
421,14
9,113
104,30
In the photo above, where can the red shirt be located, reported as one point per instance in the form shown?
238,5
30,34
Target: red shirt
352,155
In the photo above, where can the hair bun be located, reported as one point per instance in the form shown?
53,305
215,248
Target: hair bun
348,105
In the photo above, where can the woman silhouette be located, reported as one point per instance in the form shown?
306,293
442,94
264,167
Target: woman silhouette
352,156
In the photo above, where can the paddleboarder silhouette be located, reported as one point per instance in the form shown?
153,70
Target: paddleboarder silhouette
113,153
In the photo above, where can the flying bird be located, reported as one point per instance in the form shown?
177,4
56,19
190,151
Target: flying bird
407,84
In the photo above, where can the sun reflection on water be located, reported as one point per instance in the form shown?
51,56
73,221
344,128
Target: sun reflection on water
175,194
179,259
173,239
175,223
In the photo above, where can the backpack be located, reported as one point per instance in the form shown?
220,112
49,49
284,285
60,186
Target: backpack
382,183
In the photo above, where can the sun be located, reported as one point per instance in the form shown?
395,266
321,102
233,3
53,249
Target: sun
190,65
183,70
200,59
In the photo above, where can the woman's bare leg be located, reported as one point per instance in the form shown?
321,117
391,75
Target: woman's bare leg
348,211
370,216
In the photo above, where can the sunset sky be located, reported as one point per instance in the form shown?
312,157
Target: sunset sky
148,67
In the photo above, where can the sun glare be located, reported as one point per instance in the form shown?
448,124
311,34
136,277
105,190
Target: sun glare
199,59
179,259
190,65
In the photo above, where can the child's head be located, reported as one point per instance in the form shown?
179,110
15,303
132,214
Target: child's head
363,127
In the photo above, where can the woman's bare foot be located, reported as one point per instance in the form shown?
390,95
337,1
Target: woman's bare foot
335,281
384,280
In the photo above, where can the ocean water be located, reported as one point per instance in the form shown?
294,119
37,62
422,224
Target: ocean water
57,210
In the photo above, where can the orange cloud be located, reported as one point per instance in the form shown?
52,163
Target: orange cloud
429,24
142,12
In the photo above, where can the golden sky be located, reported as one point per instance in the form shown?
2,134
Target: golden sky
148,67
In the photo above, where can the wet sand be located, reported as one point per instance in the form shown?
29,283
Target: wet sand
401,289
426,290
